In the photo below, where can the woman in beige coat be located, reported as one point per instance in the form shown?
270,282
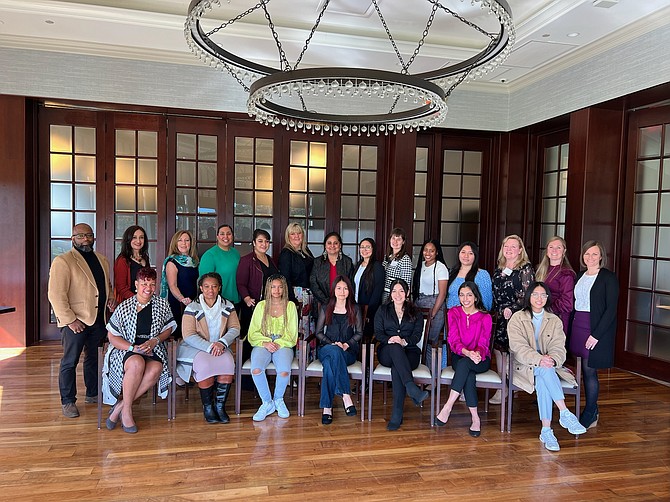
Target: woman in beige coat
537,344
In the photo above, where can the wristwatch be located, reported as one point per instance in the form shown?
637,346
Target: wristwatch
131,348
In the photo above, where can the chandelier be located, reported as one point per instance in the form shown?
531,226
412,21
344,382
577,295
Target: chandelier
348,100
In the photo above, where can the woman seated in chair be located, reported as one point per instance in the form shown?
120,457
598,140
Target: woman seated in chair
136,358
398,328
537,344
209,326
273,334
469,340
339,330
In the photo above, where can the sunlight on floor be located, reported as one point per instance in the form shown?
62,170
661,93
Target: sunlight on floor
8,353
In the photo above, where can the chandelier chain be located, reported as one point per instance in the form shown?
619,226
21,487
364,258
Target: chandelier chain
282,55
311,34
472,25
236,18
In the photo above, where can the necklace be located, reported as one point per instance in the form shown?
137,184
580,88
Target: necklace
141,305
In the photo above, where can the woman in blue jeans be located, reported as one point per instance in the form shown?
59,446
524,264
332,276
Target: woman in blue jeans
339,330
273,333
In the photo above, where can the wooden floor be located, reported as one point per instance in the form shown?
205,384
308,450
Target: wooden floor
46,457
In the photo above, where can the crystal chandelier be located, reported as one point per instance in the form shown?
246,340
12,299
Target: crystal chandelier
348,100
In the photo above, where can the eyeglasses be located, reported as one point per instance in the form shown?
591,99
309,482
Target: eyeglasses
81,236
544,296
365,247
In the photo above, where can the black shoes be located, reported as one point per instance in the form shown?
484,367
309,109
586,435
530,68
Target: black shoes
474,434
326,419
350,410
221,394
417,395
439,422
207,406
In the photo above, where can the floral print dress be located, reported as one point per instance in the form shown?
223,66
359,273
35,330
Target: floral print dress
508,292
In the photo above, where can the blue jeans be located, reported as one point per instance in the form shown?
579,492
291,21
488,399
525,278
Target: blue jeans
548,389
73,344
335,375
260,358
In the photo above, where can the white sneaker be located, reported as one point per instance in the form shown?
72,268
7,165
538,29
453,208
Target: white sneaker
282,410
549,440
569,421
497,398
264,410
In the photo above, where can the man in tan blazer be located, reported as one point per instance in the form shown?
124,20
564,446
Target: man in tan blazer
79,292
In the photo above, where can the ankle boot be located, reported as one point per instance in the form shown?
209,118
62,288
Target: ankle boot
208,406
220,403
417,395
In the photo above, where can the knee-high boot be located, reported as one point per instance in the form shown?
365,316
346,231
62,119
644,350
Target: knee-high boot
222,390
208,405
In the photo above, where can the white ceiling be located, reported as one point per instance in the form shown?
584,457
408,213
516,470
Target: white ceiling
350,33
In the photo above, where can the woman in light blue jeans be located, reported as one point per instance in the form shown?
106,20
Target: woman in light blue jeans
273,334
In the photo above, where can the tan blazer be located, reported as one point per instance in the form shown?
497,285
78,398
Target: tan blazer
72,290
524,349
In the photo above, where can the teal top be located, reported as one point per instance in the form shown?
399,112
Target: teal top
225,264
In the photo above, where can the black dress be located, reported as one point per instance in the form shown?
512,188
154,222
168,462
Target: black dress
187,282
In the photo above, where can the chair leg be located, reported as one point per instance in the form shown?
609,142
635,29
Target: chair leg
100,364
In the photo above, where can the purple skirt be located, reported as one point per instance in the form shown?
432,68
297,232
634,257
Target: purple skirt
581,330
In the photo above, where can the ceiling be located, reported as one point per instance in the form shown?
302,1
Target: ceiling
549,33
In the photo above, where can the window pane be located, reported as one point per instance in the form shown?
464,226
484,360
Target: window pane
451,210
186,146
663,275
664,236
123,221
264,148
449,234
317,154
61,196
637,338
84,168
243,203
666,170
185,202
550,185
547,232
125,171
316,233
369,183
207,201
551,158
644,241
207,174
317,180
420,184
147,199
149,222
186,223
186,173
207,149
365,229
59,247
563,183
263,178
84,140
641,273
349,231
650,141
298,179
421,160
317,206
418,235
660,343
298,153
419,208
244,150
243,229
639,306
349,208
367,208
665,209
349,181
264,224
297,204
549,210
60,138
147,172
645,208
562,203
369,158
61,167
206,228
662,310
472,162
147,143
61,224
647,175
244,176
452,161
125,199
451,186
565,155
471,186
470,210
264,203
350,156
125,143
469,232
84,197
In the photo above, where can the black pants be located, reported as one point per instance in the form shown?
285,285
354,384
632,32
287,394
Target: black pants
401,360
465,374
73,344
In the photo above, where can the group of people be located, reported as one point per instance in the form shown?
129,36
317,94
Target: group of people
207,303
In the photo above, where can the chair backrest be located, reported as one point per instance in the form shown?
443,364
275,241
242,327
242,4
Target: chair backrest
424,336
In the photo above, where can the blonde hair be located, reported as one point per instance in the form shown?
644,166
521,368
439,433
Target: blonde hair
524,256
295,228
267,296
173,249
543,267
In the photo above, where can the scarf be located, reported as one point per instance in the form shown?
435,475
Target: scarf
183,260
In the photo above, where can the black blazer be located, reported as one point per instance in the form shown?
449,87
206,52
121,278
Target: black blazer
296,269
338,333
372,298
387,325
604,298
319,279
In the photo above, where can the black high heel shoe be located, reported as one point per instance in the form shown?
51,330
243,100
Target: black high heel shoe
349,410
439,422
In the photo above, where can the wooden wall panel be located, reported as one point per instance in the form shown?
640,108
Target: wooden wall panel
13,221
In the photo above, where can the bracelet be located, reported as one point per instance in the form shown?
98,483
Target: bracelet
131,348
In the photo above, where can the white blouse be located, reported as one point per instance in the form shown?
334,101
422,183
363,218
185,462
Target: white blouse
583,292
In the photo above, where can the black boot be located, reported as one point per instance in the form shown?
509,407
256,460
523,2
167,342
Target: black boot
417,395
208,406
221,397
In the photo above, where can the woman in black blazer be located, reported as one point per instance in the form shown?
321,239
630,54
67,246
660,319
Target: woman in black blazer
593,328
398,328
369,282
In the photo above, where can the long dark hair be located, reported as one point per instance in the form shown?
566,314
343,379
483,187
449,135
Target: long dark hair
351,306
526,297
479,303
408,307
368,279
416,280
127,250
470,276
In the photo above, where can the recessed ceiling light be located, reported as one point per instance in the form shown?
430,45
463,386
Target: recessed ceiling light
49,21
573,34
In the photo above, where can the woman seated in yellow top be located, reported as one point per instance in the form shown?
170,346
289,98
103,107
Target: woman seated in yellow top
273,334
